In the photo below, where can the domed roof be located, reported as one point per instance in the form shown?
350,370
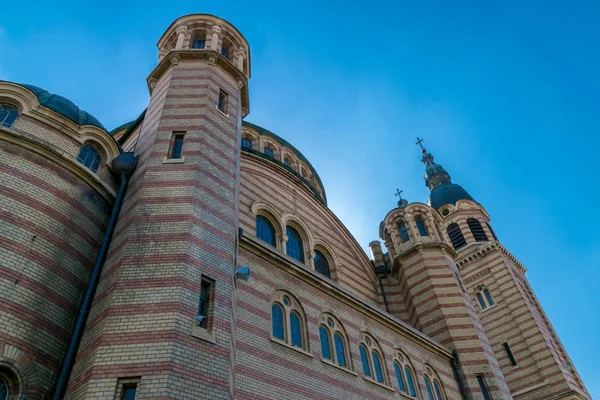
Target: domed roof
63,106
448,193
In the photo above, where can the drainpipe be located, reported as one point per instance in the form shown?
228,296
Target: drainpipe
461,384
123,167
382,271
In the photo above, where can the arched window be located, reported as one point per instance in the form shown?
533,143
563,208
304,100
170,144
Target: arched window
456,236
269,152
421,226
287,162
372,359
492,231
198,40
325,343
477,230
484,298
433,385
277,322
8,115
89,157
296,329
294,247
403,232
330,328
3,389
265,230
247,143
288,321
405,375
321,264
226,48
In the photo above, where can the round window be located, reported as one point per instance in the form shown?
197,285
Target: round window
330,322
445,212
368,341
286,301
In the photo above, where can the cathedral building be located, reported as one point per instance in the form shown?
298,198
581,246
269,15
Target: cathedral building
190,254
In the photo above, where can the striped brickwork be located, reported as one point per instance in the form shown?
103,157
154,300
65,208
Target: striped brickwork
518,319
178,224
52,222
447,315
288,199
267,369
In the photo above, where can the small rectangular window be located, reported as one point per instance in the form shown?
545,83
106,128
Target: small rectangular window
509,354
205,304
483,386
177,145
126,388
222,102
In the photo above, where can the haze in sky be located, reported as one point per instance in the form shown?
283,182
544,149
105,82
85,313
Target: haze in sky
505,94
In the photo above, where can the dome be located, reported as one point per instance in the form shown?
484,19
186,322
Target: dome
63,106
448,193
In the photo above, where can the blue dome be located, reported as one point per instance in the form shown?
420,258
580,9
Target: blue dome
63,106
448,193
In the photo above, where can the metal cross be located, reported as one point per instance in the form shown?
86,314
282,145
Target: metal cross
419,141
398,192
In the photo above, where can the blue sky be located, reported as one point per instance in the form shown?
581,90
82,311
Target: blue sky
506,95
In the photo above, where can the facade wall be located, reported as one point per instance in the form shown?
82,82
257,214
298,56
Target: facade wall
52,225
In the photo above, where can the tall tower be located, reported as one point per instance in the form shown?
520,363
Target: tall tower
529,354
162,323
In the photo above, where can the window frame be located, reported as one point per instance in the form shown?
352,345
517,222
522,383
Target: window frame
206,309
457,238
12,111
247,139
477,230
484,298
327,259
483,386
176,135
269,220
290,305
197,36
421,226
371,346
510,355
437,388
223,102
333,327
403,363
301,240
98,153
403,231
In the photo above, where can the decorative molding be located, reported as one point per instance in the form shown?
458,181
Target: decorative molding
483,251
477,276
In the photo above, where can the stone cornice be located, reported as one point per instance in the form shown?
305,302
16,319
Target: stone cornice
484,250
173,57
314,279
445,248
61,160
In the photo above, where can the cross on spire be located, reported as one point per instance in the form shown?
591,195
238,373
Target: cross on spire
398,193
419,141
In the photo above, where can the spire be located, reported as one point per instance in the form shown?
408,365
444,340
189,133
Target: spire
435,174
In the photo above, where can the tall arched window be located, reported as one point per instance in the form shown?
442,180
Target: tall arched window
8,115
3,389
321,264
247,143
198,40
287,162
226,48
89,157
405,375
492,231
294,247
265,230
477,230
372,359
421,226
456,236
269,152
288,321
277,321
332,331
403,232
433,385
484,298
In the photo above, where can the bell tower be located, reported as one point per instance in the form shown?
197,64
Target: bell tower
163,319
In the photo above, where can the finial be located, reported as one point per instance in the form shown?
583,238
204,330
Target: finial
419,141
401,202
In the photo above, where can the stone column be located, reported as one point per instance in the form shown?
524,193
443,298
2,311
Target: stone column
214,39
240,57
181,33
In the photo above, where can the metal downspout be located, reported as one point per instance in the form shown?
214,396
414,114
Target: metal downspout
123,166
387,308
461,384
